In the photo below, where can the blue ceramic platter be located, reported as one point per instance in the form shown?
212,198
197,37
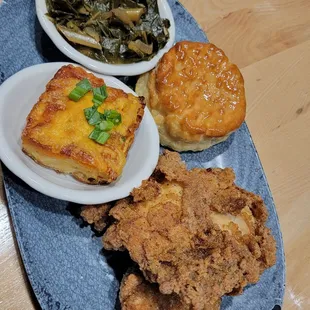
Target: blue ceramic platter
64,261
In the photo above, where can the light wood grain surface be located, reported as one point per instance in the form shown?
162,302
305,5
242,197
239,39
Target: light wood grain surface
270,41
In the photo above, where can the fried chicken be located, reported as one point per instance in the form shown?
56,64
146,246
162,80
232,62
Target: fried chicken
138,294
199,237
96,215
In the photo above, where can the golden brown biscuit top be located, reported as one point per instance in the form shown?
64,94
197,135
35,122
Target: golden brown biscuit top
197,85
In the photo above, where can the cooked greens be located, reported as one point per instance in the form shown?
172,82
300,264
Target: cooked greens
111,31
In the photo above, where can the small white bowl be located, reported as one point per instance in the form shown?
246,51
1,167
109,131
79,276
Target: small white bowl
18,94
97,66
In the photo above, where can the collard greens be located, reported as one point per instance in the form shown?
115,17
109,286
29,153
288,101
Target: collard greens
111,31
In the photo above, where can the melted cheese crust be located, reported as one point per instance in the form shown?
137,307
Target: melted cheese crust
56,133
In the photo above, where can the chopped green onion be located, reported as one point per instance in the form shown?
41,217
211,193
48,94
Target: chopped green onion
85,84
113,116
75,95
100,94
110,113
80,90
99,136
102,90
103,137
96,102
95,134
105,125
95,118
88,112
102,122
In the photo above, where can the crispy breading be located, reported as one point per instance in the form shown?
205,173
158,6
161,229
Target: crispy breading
57,133
171,166
96,215
138,294
196,96
148,190
201,237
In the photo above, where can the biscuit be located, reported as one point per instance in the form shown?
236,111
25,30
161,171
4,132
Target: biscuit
196,96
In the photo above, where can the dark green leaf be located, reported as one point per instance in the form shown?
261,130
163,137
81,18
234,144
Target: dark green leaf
92,23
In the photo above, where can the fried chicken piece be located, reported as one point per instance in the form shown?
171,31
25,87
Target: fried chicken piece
96,215
148,190
201,237
138,294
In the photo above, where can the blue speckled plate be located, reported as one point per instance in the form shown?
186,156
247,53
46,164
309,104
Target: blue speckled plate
64,262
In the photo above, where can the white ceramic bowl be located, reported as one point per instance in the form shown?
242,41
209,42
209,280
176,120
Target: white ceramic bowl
97,66
18,94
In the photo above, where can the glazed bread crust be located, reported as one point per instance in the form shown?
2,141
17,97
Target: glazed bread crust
196,96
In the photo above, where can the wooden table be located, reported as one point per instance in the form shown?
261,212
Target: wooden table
270,42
